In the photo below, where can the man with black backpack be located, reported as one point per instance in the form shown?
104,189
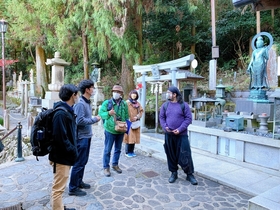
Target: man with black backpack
64,151
84,121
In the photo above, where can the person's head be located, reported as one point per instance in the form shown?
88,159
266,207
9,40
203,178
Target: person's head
117,91
173,94
86,87
68,93
133,95
259,42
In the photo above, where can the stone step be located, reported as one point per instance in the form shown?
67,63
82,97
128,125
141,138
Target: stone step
269,200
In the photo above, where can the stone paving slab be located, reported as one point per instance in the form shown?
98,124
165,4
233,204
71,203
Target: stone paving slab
29,182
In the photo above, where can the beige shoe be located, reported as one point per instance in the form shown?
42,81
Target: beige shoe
107,172
117,169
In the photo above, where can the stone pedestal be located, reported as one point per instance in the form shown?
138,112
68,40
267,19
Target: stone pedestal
263,124
50,99
57,80
258,95
32,89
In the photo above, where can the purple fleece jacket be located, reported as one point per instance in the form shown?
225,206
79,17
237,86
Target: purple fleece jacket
174,118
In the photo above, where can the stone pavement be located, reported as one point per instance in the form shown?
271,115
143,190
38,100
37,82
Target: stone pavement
142,185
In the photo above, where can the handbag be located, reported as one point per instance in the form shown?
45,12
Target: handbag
136,124
120,126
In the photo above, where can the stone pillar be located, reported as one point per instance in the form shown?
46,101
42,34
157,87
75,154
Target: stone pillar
212,74
57,80
143,100
173,76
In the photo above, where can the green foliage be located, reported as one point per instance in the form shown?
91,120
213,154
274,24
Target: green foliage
228,65
229,89
167,33
234,38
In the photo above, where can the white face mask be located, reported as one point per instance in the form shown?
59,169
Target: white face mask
168,96
116,96
76,99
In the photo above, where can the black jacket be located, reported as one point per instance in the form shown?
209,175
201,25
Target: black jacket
64,149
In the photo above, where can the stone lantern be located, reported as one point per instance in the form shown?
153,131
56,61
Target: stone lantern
220,90
57,80
220,97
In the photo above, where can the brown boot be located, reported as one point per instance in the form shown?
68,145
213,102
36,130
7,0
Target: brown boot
107,172
117,169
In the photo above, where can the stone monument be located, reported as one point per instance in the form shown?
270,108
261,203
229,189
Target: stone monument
257,68
98,96
32,84
57,80
14,80
258,101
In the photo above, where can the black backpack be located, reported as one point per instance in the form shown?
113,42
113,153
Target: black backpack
41,137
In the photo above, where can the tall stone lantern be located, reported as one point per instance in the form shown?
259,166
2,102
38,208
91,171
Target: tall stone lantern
57,81
220,97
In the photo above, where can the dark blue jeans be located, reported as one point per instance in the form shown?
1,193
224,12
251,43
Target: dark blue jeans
78,169
111,139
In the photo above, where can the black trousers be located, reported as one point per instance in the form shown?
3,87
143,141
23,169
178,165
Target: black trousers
129,148
178,151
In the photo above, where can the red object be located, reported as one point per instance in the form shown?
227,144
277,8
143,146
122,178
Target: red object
7,62
139,86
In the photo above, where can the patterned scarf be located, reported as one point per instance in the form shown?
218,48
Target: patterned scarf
134,103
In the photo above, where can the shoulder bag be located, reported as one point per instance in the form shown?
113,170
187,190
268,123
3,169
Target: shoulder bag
136,124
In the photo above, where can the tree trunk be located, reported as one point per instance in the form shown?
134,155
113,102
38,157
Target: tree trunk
139,29
193,45
41,72
126,77
85,55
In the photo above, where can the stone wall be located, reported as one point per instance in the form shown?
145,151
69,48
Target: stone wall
239,147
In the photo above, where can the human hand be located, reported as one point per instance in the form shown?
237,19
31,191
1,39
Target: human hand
176,131
135,119
112,112
98,118
167,129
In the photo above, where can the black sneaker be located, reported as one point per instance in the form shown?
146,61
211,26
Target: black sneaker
84,185
68,208
191,179
173,177
77,192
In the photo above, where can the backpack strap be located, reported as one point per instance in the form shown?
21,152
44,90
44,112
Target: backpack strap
165,105
110,104
54,167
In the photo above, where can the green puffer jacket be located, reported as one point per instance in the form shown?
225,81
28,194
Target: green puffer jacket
121,111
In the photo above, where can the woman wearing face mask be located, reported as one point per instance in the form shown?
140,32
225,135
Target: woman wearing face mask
114,107
135,111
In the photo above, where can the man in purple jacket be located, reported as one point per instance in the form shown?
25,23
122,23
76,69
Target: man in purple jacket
175,117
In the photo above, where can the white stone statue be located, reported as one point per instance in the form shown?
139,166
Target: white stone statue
14,80
20,77
31,76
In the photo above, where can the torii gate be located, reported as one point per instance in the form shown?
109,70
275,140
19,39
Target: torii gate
170,66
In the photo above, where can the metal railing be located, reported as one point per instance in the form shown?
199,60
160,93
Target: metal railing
19,142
